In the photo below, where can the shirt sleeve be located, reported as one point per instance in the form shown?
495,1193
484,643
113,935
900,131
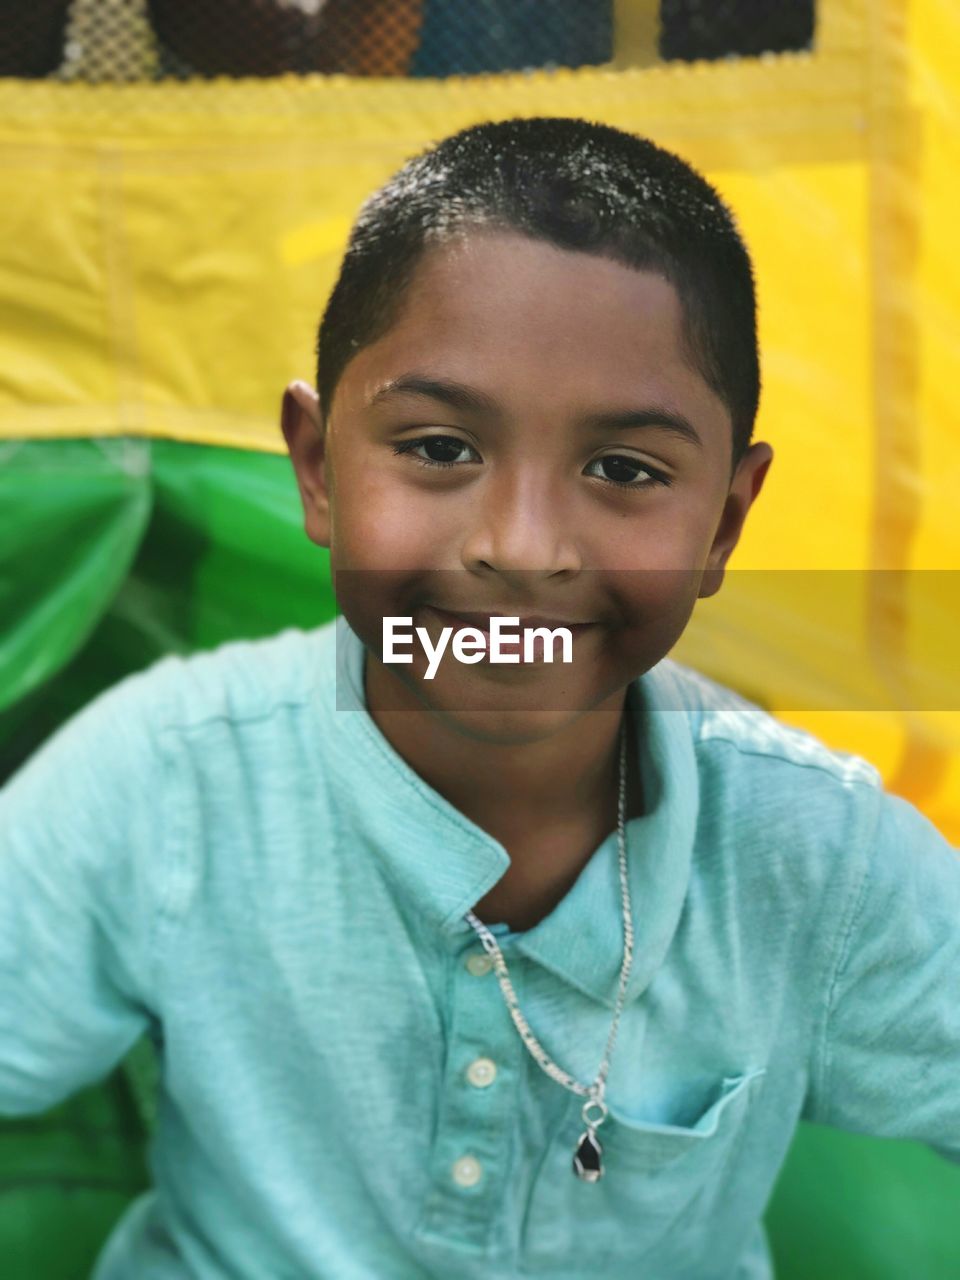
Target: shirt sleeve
78,864
888,1058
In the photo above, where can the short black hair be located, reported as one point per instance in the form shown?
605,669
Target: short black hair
575,184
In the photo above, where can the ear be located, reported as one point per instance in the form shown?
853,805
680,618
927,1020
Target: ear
746,484
303,431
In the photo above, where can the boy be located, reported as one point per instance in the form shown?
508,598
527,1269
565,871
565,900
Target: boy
383,929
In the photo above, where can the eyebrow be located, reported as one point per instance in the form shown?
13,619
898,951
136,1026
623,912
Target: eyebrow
470,400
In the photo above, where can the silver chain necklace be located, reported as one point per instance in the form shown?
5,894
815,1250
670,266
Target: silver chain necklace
588,1154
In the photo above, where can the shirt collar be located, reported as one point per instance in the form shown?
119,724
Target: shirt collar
445,863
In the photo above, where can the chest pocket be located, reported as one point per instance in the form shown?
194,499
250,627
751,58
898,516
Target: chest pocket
659,1179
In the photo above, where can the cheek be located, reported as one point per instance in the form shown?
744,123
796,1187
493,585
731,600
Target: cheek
673,548
364,547
377,523
665,531
367,595
654,607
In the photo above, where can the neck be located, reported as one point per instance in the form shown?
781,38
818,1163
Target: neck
549,802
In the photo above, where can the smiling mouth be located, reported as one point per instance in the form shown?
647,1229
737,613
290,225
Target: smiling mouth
481,621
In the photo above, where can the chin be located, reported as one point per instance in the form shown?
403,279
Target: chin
531,706
507,728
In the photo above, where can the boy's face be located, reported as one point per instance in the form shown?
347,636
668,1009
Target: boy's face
541,376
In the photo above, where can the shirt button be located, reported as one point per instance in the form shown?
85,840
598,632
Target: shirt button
479,963
467,1171
481,1072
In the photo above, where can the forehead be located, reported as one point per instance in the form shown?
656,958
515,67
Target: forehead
530,322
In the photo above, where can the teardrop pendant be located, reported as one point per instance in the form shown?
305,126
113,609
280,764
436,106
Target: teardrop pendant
588,1157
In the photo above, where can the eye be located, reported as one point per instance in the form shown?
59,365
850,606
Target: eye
628,472
440,451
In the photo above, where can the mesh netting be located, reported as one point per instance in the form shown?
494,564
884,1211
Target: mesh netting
691,29
181,39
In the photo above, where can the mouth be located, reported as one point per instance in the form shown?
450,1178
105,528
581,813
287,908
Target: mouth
481,621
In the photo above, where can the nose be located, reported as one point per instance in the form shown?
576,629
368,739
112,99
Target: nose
519,528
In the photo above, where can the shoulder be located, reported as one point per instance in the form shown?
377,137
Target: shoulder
794,824
238,681
748,738
806,811
770,791
119,740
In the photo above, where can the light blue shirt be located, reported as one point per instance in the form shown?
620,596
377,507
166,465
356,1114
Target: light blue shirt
226,852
